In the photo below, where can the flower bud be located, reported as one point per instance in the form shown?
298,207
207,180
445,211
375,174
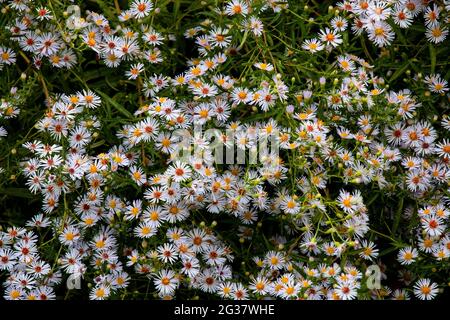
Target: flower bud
322,81
290,109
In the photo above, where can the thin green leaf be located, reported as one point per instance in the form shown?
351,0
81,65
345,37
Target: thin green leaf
115,104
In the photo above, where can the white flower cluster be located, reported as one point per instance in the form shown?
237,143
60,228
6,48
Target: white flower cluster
119,204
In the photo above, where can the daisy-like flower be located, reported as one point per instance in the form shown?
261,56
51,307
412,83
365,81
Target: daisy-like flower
274,260
100,293
312,45
7,56
165,142
236,7
145,230
152,37
433,225
254,25
141,8
225,289
400,294
166,282
69,236
264,66
208,281
218,37
43,14
417,180
265,99
179,171
378,10
48,44
330,37
112,60
369,251
8,258
176,212
259,285
38,221
348,202
138,175
436,33
407,255
346,63
346,290
199,239
167,253
239,292
289,205
424,289
431,15
436,83
89,99
402,17
191,267
14,293
241,95
441,253
339,23
206,90
381,34
134,210
134,71
28,41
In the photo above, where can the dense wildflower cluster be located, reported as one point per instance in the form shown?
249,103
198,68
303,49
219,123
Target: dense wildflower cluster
256,164
380,19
